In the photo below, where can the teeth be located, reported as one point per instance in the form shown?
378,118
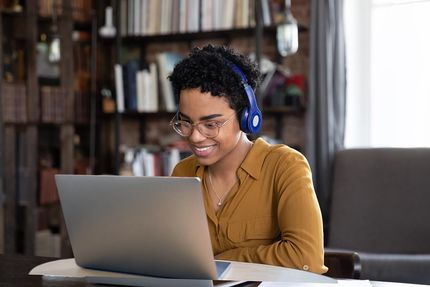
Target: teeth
202,148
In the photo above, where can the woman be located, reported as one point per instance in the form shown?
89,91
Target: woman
259,198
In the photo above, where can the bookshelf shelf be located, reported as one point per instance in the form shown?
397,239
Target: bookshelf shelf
6,12
201,35
77,24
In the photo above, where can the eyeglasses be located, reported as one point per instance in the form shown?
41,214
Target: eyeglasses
208,128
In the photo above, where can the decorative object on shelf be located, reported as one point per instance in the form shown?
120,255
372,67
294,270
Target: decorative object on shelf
54,53
281,88
11,6
287,33
9,57
108,102
108,30
45,69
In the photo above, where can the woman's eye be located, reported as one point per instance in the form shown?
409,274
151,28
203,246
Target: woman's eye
211,125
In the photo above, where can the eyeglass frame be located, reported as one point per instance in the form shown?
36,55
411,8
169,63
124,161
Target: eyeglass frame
219,125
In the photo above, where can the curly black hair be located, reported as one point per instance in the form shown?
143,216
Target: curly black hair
209,68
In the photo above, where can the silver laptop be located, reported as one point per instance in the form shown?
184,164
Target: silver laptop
154,226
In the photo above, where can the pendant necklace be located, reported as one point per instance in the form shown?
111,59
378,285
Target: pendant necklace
213,189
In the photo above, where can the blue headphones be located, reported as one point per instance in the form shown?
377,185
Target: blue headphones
251,118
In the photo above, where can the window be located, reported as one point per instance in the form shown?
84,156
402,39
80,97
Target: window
388,58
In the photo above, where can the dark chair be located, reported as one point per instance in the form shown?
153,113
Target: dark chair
342,264
380,208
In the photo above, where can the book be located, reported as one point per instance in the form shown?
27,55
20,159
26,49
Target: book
130,18
137,11
144,17
123,18
147,89
130,88
228,19
175,16
52,104
119,88
14,102
166,63
140,93
152,88
48,189
183,16
193,16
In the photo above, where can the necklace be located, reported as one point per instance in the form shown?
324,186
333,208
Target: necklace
220,198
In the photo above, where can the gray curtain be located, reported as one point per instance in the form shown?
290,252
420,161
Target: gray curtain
327,93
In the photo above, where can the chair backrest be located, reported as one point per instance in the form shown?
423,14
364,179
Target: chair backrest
381,200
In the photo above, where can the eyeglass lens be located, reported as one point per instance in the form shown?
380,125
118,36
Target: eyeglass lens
207,129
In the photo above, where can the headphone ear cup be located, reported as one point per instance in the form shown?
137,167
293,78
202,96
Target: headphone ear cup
251,121
255,121
244,121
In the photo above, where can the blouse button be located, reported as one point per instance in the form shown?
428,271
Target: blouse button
305,267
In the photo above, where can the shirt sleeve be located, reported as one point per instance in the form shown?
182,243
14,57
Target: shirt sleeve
300,222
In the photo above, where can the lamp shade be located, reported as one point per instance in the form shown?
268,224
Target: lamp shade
287,33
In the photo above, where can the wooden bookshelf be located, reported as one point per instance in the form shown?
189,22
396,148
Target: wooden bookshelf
24,140
20,133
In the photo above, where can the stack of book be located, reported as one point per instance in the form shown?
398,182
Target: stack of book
150,161
14,102
81,9
137,89
52,104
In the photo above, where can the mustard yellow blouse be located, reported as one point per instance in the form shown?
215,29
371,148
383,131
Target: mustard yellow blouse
271,215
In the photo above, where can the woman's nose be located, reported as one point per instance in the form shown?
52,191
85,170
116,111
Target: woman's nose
196,136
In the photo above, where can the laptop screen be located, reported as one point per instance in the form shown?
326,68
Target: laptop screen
154,226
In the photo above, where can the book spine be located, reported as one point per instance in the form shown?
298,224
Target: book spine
119,88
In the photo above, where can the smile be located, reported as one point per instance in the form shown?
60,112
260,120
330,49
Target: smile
203,151
202,148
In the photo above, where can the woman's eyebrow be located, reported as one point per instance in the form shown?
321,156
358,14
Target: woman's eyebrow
204,118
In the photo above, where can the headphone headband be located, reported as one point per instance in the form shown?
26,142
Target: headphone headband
238,72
